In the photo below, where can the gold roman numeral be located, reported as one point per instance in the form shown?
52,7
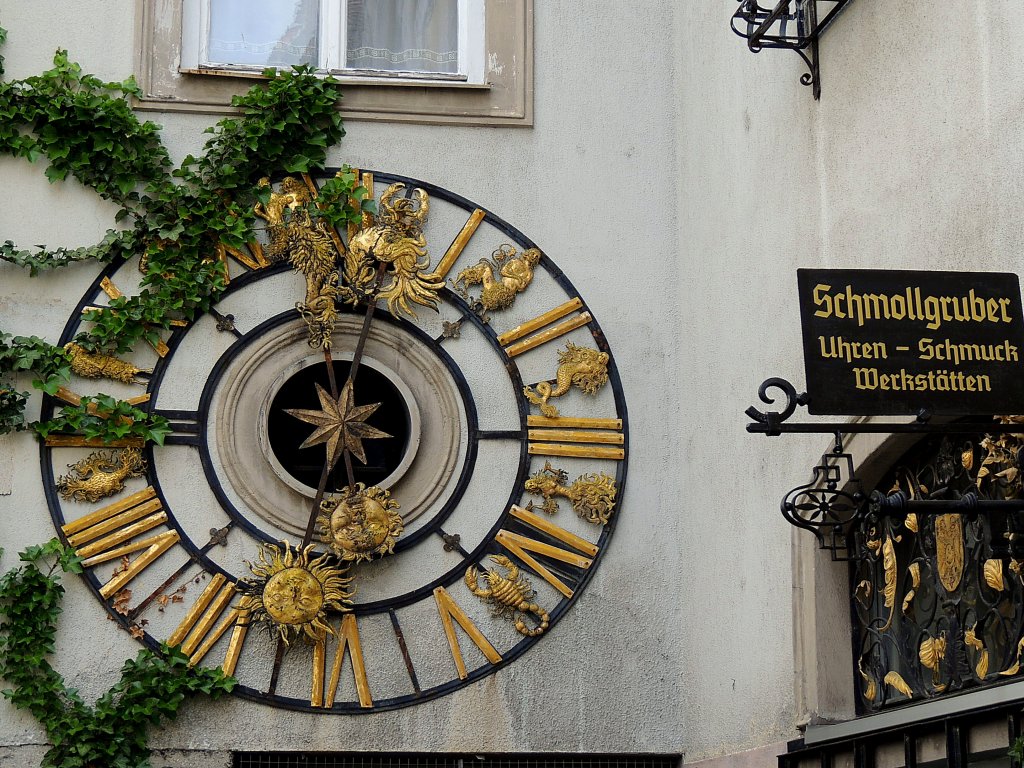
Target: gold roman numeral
444,266
194,633
237,638
580,437
510,340
348,638
522,547
112,291
99,537
449,609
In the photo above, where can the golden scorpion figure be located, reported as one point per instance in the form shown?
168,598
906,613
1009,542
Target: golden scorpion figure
101,474
509,595
591,495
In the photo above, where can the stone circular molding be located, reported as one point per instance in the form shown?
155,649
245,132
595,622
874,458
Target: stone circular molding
239,444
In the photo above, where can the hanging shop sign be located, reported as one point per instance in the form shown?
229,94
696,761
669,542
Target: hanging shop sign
880,342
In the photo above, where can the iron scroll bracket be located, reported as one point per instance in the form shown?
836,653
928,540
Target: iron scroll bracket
795,25
832,503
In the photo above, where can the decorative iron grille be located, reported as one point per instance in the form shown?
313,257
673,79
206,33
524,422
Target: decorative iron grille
936,572
412,760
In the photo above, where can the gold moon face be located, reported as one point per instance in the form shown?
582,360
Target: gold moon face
362,524
293,596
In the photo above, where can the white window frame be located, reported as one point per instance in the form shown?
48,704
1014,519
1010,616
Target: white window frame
333,46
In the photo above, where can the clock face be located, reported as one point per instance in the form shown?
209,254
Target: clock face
358,509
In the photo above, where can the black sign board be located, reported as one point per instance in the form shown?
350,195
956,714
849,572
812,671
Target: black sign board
886,342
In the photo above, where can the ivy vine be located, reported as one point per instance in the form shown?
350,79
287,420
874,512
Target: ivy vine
172,219
112,732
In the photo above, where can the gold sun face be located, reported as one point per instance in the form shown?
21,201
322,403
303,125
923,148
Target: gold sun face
292,593
357,526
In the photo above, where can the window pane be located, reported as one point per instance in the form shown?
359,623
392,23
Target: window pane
403,35
263,32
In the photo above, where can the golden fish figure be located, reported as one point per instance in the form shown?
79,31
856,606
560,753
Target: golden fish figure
585,367
592,495
96,365
509,595
101,474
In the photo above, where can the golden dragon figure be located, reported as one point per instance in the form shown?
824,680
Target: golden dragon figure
101,474
509,595
592,495
585,367
514,274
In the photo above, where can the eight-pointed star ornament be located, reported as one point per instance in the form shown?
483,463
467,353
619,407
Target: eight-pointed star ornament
339,422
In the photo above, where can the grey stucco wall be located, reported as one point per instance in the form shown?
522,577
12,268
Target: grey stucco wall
594,184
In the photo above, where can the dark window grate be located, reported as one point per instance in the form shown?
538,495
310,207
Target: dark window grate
407,760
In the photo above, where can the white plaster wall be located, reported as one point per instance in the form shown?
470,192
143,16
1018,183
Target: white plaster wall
594,184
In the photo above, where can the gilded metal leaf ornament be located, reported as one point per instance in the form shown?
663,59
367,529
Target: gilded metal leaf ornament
871,687
915,577
949,549
967,459
1015,668
994,574
911,522
101,474
889,566
863,592
972,640
339,424
509,595
896,681
981,670
932,651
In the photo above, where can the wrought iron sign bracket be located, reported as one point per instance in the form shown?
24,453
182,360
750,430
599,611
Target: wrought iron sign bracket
833,501
783,26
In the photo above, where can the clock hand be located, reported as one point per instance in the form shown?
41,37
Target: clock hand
344,407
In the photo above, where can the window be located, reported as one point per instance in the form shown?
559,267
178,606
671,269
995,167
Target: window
431,61
440,40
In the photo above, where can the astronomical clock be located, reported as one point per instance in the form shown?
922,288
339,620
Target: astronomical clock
398,455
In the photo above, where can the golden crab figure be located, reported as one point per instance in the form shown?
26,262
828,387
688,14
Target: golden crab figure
585,367
292,592
592,495
396,239
361,524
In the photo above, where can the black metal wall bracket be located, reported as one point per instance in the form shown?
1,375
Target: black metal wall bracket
796,25
833,501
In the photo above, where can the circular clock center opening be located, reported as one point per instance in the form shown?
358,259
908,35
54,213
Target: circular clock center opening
383,454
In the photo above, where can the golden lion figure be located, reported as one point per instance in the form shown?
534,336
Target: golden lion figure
592,495
514,274
101,474
395,239
309,247
585,367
